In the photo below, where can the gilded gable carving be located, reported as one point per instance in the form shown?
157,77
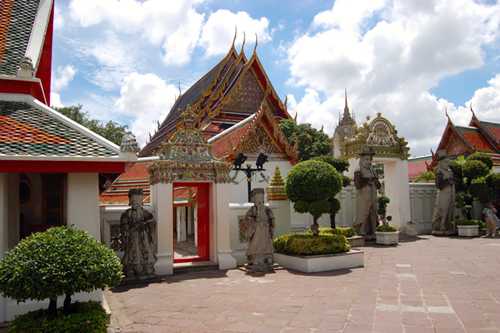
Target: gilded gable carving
259,142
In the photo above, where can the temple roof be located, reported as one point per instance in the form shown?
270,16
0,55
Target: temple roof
16,23
230,92
135,176
29,129
479,136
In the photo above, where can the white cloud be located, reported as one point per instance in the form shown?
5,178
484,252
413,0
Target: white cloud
63,76
58,18
219,30
147,99
173,25
390,54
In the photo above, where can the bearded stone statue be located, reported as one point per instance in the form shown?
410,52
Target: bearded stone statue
367,184
442,220
137,229
260,228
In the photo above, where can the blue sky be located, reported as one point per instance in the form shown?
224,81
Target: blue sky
124,60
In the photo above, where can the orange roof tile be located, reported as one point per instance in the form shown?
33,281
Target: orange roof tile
13,131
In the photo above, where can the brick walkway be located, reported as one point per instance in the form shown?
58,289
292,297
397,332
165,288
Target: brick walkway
427,285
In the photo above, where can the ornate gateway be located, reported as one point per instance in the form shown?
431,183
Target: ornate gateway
381,136
187,156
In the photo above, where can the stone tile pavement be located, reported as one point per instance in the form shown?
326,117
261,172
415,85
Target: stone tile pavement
426,285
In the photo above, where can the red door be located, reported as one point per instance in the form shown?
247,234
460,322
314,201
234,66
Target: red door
203,222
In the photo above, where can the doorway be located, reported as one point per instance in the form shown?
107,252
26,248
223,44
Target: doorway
191,209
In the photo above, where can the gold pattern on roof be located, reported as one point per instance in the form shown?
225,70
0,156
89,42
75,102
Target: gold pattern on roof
187,156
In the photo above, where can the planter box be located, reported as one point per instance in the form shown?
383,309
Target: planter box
356,241
387,238
468,230
321,263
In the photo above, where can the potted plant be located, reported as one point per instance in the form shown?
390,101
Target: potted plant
387,234
306,252
468,228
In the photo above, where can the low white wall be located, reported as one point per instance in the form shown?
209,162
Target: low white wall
422,201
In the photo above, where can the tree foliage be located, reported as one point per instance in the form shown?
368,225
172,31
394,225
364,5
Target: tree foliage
110,130
310,142
425,177
311,185
59,261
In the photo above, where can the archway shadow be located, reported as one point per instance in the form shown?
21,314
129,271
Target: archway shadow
169,279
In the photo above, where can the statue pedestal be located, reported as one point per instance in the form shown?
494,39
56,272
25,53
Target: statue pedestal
164,264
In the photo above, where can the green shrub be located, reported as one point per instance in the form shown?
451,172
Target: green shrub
382,201
386,228
468,222
344,231
59,261
481,157
474,169
307,244
87,317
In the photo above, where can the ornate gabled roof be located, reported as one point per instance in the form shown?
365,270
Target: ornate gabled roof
187,156
32,130
259,132
379,134
236,89
479,136
16,22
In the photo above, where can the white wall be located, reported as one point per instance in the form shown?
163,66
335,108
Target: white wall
162,202
3,230
83,202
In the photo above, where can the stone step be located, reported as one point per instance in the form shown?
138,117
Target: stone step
200,266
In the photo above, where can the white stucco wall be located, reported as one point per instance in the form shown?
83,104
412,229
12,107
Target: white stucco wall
83,202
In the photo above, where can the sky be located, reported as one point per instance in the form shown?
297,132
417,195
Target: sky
411,60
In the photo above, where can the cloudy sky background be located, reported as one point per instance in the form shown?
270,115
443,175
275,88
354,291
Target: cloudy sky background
409,59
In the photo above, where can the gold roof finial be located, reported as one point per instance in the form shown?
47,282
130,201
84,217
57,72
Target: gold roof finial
256,43
234,37
243,44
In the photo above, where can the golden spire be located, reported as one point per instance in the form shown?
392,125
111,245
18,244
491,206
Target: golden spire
234,37
276,189
242,51
256,43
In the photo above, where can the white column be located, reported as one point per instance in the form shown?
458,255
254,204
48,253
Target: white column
83,202
397,189
223,232
162,199
4,230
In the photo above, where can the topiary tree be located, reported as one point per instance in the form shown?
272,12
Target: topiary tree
471,174
310,185
59,261
341,166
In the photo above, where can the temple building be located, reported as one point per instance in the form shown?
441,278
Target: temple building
479,136
49,164
230,114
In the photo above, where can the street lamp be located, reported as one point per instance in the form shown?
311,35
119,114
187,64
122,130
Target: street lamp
248,170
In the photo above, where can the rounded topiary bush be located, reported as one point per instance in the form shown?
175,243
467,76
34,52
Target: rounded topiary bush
477,156
311,185
344,231
307,244
59,261
386,228
474,169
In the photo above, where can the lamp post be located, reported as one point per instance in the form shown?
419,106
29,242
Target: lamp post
248,169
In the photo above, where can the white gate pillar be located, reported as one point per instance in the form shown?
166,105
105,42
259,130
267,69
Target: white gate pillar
397,189
224,252
162,199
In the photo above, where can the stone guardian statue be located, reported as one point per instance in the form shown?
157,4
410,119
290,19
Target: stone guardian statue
260,228
367,184
442,220
137,229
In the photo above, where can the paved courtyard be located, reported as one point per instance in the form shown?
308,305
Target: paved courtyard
425,285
